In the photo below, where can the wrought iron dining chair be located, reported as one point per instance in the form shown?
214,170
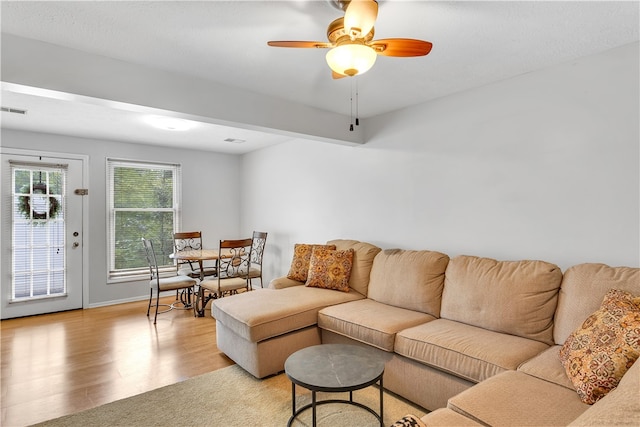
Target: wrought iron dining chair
171,283
257,252
234,263
189,241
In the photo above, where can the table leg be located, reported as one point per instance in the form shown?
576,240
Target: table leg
313,408
201,270
381,405
293,398
199,300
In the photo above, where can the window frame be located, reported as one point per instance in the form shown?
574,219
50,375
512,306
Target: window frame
132,274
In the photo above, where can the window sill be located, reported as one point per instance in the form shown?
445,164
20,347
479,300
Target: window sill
138,276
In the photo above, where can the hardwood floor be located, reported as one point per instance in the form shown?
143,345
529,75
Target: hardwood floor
61,363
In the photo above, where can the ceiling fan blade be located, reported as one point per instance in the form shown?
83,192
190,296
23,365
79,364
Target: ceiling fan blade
360,17
337,76
302,44
401,47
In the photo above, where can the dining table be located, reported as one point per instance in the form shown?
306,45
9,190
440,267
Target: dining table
199,255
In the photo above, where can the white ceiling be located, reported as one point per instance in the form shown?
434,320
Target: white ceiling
475,43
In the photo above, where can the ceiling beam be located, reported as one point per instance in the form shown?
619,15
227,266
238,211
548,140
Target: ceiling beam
85,77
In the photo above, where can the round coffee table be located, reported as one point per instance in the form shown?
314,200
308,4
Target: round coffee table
334,368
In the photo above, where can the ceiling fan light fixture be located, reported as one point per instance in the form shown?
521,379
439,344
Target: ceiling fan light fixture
351,59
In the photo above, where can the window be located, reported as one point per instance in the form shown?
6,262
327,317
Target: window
38,267
143,201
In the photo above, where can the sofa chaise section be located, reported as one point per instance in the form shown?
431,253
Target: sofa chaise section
258,330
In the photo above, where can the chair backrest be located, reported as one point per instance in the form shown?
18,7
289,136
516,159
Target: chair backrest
187,241
235,258
151,258
257,250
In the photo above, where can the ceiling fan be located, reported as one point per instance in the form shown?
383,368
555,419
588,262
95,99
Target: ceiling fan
353,50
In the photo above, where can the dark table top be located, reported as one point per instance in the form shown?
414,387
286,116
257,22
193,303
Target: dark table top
334,367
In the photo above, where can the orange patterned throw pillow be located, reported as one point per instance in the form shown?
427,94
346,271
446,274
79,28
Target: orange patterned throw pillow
300,263
330,269
409,421
598,354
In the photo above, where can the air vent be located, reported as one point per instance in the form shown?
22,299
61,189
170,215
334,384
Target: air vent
13,110
235,140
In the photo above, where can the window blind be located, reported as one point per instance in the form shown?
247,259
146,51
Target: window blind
143,201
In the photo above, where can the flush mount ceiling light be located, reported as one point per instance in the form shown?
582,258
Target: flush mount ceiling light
353,50
169,123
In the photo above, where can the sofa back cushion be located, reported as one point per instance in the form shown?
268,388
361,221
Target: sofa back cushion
514,297
583,288
363,255
409,279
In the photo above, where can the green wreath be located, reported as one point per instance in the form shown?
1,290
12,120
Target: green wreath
24,203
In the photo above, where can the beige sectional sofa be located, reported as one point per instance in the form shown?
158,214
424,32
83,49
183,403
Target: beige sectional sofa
472,339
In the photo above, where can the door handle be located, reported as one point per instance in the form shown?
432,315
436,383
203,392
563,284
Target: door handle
76,244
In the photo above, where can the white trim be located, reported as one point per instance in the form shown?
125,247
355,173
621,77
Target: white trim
126,300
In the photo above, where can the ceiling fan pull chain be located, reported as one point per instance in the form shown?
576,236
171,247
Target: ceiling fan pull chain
357,104
351,99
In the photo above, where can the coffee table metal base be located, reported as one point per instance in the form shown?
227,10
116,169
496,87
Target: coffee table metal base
314,404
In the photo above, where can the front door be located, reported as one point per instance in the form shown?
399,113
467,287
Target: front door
41,270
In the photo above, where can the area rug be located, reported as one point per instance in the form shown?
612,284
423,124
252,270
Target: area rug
232,397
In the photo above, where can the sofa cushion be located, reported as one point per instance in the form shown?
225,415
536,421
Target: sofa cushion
583,288
619,407
266,313
363,255
599,353
300,263
517,399
369,321
466,351
514,297
409,279
330,269
547,366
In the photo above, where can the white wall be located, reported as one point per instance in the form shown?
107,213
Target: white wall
204,175
542,166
